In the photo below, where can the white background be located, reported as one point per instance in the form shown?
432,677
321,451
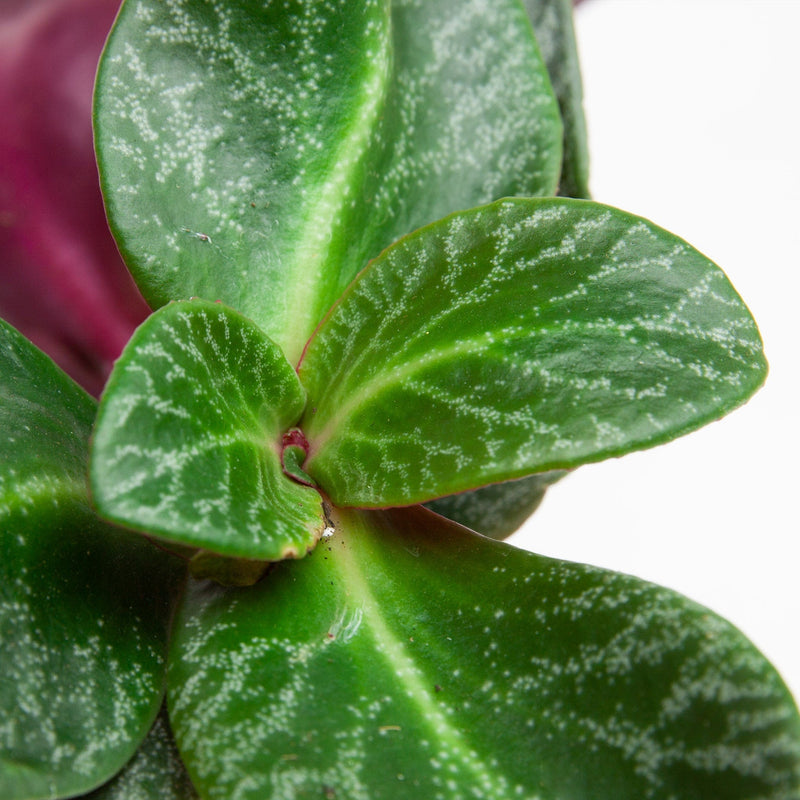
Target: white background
694,123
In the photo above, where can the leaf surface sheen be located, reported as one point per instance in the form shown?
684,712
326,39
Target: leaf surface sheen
261,154
84,607
384,667
187,444
229,135
470,117
498,510
524,336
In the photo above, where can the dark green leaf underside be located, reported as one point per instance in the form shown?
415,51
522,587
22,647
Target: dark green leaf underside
188,438
408,658
83,607
552,22
516,338
497,510
156,772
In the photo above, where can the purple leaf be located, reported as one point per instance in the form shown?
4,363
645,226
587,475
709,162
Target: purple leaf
62,281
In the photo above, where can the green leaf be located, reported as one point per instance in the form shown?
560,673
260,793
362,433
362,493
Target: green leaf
187,444
470,117
520,337
408,658
499,509
552,22
259,153
84,607
156,772
230,138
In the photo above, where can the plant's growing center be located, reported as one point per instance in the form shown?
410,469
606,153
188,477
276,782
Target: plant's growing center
294,451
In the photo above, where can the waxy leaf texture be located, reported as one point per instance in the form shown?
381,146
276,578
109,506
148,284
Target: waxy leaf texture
84,607
335,334
261,154
187,444
524,336
409,658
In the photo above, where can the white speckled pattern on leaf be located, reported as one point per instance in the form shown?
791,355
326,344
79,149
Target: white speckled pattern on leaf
188,439
408,658
156,772
515,338
260,154
84,607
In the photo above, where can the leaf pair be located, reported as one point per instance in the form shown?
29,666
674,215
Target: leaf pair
521,337
260,154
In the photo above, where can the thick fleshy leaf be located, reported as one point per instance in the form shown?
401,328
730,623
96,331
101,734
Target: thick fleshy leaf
188,439
156,772
84,608
552,22
409,658
520,337
62,282
499,509
230,136
260,153
470,117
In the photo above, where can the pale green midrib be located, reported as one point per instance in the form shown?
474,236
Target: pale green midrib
316,231
401,665
400,375
209,443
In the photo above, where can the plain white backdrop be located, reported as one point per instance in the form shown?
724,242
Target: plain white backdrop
694,122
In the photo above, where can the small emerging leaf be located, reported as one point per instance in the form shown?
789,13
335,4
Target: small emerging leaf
84,607
225,570
520,337
407,658
188,439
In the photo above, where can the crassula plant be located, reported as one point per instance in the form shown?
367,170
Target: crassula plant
375,286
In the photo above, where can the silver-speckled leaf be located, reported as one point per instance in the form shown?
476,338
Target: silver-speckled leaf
470,117
552,22
498,510
407,658
156,772
84,607
189,436
516,338
259,154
